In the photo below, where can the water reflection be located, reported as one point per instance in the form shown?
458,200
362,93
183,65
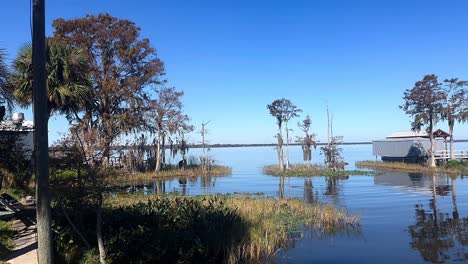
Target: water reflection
437,235
309,195
419,182
181,185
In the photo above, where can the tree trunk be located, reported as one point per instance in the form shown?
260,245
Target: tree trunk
279,148
100,240
308,163
431,136
158,153
287,145
452,152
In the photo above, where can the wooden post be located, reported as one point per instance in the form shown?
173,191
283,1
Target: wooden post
41,141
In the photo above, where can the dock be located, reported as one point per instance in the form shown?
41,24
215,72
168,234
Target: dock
445,155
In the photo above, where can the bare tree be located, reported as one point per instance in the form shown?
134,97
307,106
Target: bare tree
291,111
308,141
455,106
424,102
204,160
283,110
333,153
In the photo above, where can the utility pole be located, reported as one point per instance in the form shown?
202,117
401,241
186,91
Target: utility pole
41,141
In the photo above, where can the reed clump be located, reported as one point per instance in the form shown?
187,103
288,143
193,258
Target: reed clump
452,167
314,170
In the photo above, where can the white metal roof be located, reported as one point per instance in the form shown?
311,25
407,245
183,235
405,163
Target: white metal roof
408,134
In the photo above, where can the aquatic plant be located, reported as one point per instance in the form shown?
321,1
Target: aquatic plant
315,170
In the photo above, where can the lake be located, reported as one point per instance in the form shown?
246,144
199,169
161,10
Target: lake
405,217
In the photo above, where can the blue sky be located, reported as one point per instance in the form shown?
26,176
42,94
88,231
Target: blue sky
232,58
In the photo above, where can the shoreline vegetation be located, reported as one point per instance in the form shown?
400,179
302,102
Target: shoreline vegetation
263,225
452,167
196,171
300,170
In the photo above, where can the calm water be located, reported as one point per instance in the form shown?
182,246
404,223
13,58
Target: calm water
405,217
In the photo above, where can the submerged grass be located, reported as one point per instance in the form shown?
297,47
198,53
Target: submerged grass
315,170
6,241
452,167
269,223
142,177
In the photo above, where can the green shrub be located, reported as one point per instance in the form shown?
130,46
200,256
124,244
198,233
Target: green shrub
6,239
459,165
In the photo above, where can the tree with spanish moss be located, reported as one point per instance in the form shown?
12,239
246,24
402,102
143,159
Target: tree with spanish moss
290,111
283,110
424,103
165,119
307,141
122,68
455,106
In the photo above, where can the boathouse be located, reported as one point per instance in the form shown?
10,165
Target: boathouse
409,146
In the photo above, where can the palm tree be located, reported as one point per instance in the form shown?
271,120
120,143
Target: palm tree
5,95
68,86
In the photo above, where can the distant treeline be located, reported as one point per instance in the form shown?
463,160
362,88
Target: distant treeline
267,145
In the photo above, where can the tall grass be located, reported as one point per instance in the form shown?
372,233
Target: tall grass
270,223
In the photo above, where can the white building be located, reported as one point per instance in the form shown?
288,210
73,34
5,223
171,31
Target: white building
18,126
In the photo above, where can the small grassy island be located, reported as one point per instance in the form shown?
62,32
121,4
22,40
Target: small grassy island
452,167
315,170
146,177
